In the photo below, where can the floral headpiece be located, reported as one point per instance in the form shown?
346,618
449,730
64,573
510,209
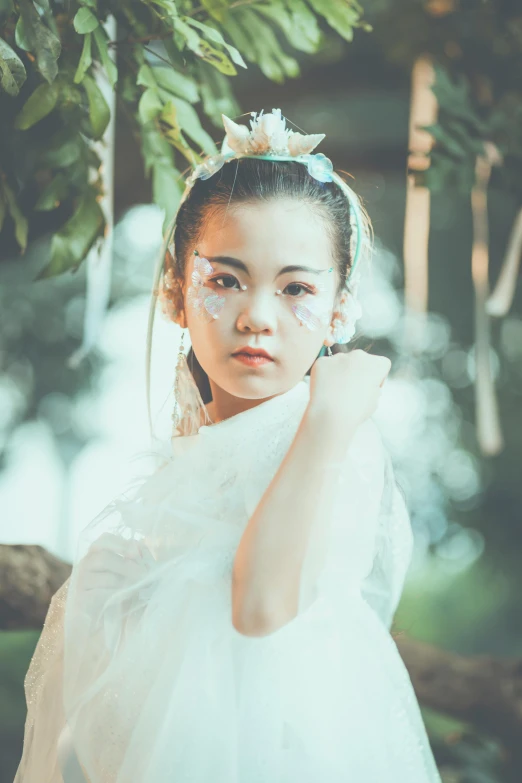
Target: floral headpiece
269,139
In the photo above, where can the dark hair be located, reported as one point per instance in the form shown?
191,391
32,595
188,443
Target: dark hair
248,180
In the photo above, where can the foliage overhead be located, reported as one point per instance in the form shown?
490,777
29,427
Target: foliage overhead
477,46
170,66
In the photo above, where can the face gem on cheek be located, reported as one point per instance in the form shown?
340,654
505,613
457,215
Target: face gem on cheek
312,320
206,305
202,269
312,315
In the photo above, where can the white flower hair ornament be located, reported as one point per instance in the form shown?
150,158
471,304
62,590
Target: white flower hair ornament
268,138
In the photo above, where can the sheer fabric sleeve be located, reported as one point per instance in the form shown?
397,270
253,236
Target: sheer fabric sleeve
383,586
43,691
343,539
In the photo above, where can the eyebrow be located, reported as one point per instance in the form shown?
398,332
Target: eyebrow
237,264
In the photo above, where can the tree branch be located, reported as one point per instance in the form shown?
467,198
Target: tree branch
29,577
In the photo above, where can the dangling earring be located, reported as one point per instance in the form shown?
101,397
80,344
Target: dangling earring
188,403
329,350
177,413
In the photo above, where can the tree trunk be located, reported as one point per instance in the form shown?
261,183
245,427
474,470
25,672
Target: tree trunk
29,577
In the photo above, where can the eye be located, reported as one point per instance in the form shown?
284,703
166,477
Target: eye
307,289
226,279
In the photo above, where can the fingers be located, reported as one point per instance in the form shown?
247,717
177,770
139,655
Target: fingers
110,561
125,548
146,554
110,542
106,568
116,576
101,580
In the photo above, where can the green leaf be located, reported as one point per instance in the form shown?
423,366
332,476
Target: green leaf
274,63
43,43
99,111
12,71
85,59
39,104
20,37
167,80
216,58
241,36
173,53
189,35
341,15
6,7
85,21
150,106
171,130
177,83
203,49
167,188
298,24
216,94
70,97
454,98
55,192
215,35
444,139
20,221
3,209
63,149
167,183
103,49
190,124
305,24
216,8
155,148
72,243
146,77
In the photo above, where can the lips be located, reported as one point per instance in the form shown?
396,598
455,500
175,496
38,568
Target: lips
253,352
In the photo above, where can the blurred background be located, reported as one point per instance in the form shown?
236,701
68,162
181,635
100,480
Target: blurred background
445,208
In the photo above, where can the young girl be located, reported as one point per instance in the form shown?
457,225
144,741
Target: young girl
229,621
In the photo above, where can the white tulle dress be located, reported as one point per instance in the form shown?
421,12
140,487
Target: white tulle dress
157,685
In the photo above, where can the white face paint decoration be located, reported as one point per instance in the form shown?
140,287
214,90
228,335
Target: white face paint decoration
311,316
206,303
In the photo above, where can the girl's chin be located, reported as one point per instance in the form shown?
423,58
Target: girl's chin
249,384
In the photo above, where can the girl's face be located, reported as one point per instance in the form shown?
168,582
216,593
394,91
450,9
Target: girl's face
253,252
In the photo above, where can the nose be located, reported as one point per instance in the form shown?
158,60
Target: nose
258,314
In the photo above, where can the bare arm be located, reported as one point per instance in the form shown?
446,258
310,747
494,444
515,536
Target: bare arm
271,553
